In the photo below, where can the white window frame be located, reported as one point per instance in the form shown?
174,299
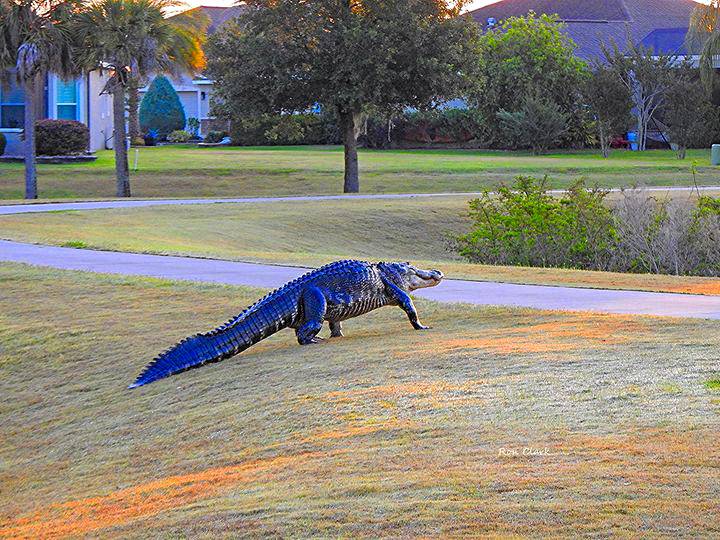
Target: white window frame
53,103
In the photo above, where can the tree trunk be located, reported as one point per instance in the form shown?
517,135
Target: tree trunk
133,109
604,140
352,178
122,170
31,88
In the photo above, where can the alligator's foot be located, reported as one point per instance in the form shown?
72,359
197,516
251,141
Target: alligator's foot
312,341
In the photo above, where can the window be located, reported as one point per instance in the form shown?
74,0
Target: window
12,106
66,96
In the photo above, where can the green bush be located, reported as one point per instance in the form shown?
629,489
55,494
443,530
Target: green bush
288,129
538,125
442,126
193,125
179,136
3,144
160,108
524,225
215,137
61,137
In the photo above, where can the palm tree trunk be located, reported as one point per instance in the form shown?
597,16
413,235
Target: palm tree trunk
122,170
31,87
133,106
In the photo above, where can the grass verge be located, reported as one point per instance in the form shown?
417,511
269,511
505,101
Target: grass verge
497,421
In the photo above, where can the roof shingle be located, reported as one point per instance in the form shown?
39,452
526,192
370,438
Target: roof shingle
590,23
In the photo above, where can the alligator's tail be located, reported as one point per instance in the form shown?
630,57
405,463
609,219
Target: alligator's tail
233,337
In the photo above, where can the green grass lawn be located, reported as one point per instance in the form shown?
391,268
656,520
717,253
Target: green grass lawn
310,233
495,422
188,171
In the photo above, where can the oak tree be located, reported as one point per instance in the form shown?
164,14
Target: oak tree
285,56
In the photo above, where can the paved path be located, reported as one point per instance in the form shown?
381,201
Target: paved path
471,292
140,203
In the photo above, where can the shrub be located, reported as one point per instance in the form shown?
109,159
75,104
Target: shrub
3,144
443,126
285,129
667,236
61,137
179,136
538,125
160,108
215,137
524,225
193,125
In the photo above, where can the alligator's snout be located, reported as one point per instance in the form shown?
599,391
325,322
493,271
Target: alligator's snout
430,275
421,279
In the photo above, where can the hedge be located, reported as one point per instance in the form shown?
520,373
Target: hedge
283,130
61,137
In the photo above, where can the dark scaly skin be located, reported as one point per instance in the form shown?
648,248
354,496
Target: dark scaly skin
334,293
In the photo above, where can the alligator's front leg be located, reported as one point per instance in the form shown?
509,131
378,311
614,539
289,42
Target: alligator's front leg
405,302
336,329
314,306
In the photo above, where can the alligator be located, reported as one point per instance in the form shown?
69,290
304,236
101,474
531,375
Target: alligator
334,293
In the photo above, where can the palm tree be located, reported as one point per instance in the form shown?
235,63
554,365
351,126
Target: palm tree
127,39
704,34
34,40
189,36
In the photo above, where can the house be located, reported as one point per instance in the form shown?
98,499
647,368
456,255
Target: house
661,24
80,99
76,99
195,91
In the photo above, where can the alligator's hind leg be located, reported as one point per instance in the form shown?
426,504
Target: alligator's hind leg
336,329
314,306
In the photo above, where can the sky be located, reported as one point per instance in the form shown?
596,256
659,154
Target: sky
192,3
473,5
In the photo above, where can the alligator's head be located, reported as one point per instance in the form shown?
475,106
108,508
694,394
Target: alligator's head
408,277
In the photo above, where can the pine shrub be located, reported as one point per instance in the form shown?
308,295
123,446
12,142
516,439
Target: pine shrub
161,109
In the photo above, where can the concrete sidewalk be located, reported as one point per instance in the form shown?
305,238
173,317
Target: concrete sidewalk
141,203
453,291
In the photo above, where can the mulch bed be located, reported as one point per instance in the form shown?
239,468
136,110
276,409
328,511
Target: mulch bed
51,159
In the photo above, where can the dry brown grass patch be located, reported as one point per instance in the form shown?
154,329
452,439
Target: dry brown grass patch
571,333
117,508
